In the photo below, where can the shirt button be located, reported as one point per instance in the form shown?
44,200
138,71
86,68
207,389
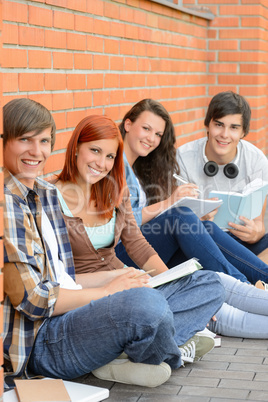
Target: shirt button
102,259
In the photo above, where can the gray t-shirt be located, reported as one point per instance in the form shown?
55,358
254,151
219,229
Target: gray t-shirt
251,162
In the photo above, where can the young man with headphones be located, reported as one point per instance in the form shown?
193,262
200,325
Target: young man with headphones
225,161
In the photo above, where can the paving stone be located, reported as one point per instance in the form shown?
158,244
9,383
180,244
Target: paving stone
167,389
212,365
115,396
235,358
261,377
247,367
253,352
258,396
222,374
179,398
238,384
215,392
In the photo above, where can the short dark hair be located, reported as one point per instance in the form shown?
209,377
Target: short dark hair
22,115
226,103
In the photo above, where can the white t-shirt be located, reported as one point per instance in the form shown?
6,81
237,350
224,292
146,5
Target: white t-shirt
251,162
65,280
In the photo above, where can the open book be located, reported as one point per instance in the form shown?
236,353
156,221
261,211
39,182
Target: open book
198,206
248,203
186,268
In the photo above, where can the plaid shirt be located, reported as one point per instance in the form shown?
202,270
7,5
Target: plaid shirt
30,284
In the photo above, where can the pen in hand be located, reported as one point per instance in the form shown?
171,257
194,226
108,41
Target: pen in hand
143,273
179,178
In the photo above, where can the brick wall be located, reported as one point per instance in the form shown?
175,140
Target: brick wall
82,56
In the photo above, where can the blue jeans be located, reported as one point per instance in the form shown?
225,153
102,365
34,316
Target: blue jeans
245,311
255,248
178,235
147,324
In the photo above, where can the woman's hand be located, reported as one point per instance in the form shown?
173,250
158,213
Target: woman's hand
210,216
185,190
127,280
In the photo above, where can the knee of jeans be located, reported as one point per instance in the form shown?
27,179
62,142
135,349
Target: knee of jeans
213,280
151,305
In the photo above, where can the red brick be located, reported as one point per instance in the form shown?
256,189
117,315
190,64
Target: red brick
63,20
242,79
95,81
111,80
79,5
74,117
55,39
15,12
101,98
60,120
100,62
29,36
102,27
76,41
117,29
55,163
83,23
111,46
82,99
31,82
131,64
117,63
40,16
217,68
225,22
116,97
62,101
95,7
82,61
111,11
55,82
76,81
58,3
94,44
240,10
14,58
223,45
39,59
62,60
10,83
240,33
126,47
62,140
43,98
132,80
10,33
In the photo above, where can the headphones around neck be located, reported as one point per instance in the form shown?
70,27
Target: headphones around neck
211,168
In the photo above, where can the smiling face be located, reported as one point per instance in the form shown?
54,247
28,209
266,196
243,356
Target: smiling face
143,135
25,156
95,160
223,137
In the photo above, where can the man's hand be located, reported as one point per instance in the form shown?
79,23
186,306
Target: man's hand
251,232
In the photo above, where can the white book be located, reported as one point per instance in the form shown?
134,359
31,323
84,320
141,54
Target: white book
184,269
247,203
198,206
77,392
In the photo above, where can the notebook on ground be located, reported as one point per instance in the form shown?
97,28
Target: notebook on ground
77,392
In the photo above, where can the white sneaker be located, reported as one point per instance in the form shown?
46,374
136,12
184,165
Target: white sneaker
126,372
195,348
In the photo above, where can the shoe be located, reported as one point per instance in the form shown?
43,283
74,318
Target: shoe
126,372
195,348
261,285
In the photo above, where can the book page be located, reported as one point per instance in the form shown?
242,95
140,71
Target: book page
186,268
49,390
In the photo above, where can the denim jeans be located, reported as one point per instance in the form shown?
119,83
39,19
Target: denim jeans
147,324
255,248
178,235
245,311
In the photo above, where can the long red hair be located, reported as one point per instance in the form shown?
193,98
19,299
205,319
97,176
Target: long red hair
107,192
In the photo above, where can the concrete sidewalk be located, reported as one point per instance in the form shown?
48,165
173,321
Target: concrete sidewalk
237,371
